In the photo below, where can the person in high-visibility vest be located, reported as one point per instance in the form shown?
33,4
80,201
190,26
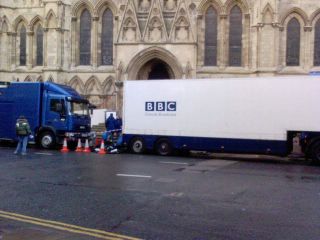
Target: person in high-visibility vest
23,131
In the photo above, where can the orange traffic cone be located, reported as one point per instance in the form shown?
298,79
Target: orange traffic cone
102,149
65,146
86,147
79,147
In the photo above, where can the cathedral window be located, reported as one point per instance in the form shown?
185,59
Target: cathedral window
107,38
235,37
293,43
39,39
317,44
85,38
211,33
23,45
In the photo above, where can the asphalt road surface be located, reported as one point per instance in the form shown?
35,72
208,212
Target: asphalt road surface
49,196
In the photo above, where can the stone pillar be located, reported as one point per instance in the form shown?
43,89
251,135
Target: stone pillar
29,50
256,41
281,47
13,58
119,96
59,46
73,41
45,45
94,37
223,58
308,58
200,41
246,41
115,31
276,61
9,50
2,45
62,60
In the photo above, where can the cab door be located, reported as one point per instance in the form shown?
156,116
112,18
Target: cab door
56,114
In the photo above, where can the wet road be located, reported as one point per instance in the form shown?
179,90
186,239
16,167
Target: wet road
151,197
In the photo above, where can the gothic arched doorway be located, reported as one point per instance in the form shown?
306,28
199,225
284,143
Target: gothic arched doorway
153,63
155,69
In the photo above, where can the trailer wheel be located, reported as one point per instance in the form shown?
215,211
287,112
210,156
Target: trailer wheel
315,152
163,147
137,145
47,140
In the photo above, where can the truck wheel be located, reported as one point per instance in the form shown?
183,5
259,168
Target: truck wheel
163,147
315,152
137,145
47,140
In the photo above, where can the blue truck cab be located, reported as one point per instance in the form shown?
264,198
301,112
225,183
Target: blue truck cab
54,112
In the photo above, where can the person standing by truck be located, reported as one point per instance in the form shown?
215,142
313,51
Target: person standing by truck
110,123
23,131
118,123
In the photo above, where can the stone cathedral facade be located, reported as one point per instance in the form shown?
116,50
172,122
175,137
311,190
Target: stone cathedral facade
94,45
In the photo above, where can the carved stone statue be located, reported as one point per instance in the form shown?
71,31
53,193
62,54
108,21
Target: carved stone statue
182,30
155,31
144,5
129,31
170,5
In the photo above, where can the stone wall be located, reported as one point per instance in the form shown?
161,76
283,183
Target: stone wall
169,30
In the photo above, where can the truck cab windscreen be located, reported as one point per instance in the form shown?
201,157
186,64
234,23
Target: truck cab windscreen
79,108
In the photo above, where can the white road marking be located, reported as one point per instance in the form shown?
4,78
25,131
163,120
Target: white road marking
178,163
129,175
40,153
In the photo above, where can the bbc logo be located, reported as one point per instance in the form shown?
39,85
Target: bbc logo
161,106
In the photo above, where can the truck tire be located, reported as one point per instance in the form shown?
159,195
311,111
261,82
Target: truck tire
163,147
47,140
315,152
137,145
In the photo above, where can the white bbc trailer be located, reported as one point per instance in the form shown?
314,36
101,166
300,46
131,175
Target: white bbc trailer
237,115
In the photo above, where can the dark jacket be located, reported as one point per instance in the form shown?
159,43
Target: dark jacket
118,123
110,123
